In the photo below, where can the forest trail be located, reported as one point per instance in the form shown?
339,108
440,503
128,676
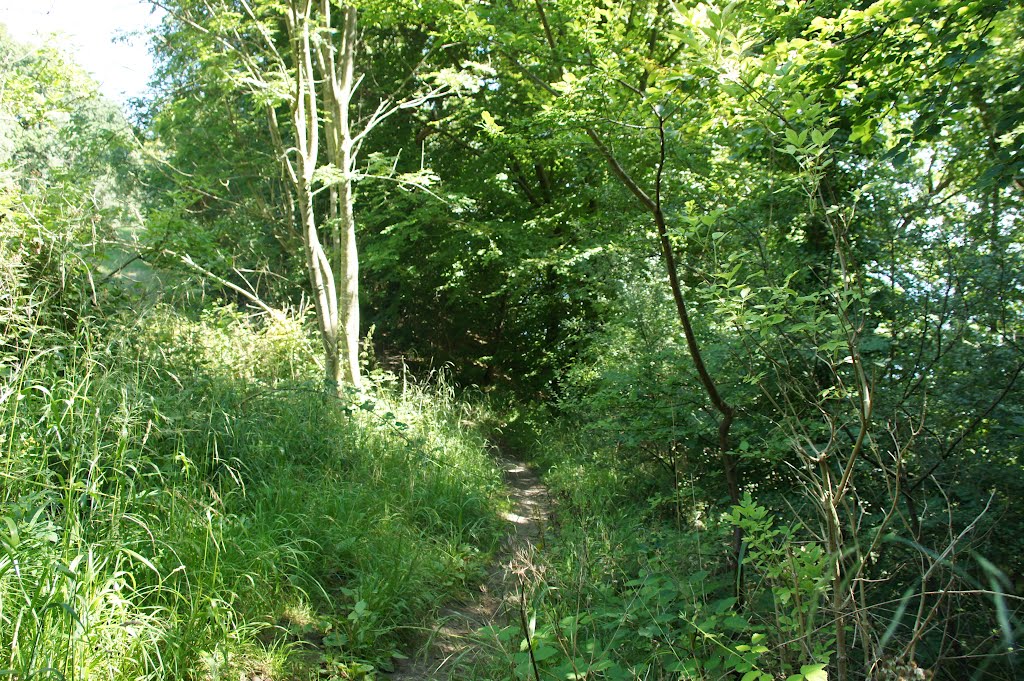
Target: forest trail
451,651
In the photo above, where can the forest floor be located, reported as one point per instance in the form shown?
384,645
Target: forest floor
452,651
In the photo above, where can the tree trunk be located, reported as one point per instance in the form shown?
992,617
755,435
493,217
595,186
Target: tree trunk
317,63
338,67
348,267
305,118
726,411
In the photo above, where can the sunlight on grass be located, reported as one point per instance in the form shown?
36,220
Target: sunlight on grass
183,501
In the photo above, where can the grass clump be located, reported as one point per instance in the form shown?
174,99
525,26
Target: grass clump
181,500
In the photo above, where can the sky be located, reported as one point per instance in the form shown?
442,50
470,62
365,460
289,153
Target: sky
87,29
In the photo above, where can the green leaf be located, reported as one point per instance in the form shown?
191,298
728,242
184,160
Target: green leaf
142,559
814,672
491,125
335,639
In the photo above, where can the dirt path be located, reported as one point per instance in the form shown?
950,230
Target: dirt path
450,653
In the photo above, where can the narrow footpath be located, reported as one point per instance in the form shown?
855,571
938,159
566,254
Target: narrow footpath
451,651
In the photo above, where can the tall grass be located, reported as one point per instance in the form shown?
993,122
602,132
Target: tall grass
180,500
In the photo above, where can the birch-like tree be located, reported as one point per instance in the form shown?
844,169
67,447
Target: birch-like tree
297,59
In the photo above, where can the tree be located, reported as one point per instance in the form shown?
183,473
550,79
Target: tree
300,56
804,164
66,160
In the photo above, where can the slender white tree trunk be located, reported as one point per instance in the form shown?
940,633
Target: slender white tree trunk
322,58
348,261
333,275
337,69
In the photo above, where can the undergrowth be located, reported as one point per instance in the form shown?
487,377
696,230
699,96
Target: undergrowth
633,580
180,500
636,578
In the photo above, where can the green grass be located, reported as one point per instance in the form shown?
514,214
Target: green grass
629,583
180,500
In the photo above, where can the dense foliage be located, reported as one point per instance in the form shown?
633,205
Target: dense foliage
746,279
179,499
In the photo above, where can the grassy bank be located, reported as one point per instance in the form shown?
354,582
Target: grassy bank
180,500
